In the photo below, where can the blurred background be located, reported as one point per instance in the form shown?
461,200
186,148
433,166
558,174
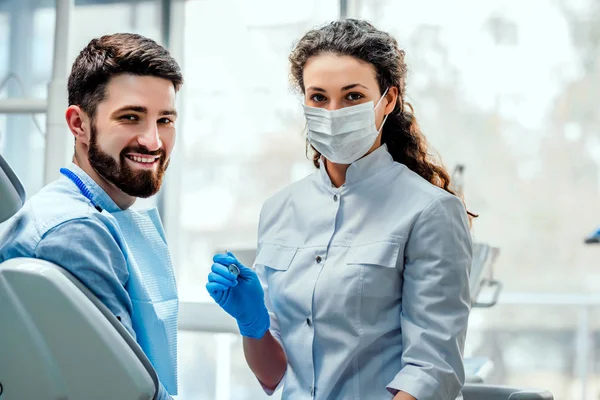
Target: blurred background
509,89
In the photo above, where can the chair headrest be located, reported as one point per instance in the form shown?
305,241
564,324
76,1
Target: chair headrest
12,193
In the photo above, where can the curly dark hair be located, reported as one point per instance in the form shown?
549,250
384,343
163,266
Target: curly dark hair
361,40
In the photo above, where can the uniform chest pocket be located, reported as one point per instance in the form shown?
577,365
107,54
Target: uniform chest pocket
275,257
274,260
376,264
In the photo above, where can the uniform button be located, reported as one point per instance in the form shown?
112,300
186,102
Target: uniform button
335,198
308,322
318,259
312,391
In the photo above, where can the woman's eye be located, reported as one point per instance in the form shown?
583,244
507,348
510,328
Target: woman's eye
317,98
165,121
354,96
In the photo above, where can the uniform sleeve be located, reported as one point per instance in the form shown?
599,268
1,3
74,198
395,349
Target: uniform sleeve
261,272
274,322
274,326
435,302
86,249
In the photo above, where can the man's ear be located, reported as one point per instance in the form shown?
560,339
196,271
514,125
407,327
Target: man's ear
78,123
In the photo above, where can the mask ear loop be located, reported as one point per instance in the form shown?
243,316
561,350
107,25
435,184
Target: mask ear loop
386,115
381,98
382,123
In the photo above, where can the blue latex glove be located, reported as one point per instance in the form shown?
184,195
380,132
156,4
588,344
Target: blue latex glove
242,298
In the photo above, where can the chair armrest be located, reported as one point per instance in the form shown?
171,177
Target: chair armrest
499,392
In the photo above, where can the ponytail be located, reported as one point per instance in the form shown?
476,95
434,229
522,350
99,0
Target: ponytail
407,145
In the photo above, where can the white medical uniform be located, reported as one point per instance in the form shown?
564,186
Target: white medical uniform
367,285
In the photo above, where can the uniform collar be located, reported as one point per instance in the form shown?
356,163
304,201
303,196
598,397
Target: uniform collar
99,196
363,168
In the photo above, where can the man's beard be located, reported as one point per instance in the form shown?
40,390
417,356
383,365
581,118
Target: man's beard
140,183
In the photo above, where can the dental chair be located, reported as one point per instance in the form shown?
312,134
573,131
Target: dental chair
12,193
57,340
481,279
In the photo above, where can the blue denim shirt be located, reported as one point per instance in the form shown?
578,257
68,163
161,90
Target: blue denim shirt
60,225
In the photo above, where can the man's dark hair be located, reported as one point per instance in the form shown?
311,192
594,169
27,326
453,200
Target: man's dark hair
112,55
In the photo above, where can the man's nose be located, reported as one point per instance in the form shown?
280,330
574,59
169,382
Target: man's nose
150,138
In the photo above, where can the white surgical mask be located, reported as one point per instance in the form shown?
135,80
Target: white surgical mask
345,135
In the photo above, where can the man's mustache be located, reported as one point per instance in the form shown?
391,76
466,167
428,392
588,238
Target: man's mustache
143,150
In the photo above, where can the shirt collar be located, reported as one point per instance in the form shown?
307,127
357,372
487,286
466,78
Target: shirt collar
99,196
363,168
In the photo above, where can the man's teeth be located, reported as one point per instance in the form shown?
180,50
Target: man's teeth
146,160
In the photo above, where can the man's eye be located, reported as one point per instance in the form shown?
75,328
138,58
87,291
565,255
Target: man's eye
165,121
129,117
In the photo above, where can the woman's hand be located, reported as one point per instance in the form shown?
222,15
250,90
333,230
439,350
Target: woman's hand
242,297
404,396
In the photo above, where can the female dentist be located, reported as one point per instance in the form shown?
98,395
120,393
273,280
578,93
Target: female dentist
360,285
